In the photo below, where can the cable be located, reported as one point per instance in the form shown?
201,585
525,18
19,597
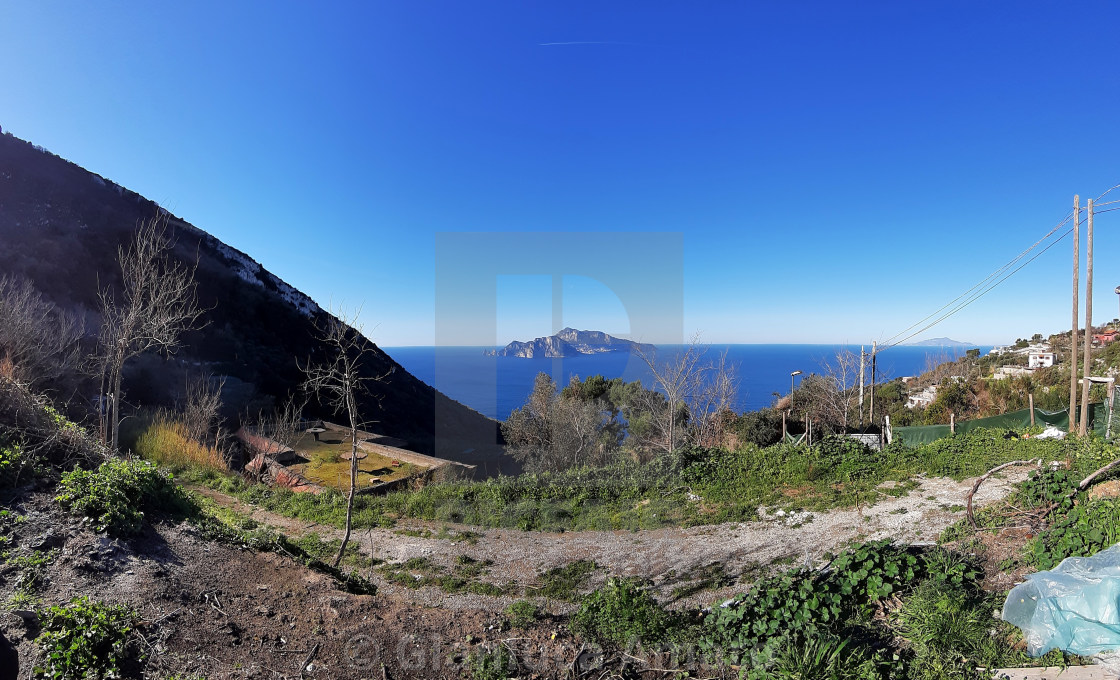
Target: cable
981,283
979,295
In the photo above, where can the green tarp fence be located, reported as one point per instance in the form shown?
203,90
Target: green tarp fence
1016,420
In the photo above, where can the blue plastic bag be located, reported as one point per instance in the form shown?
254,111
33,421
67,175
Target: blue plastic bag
1074,607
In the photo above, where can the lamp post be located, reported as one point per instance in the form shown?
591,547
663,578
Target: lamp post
1118,293
796,373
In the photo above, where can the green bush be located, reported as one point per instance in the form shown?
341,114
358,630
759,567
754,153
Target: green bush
85,639
620,612
523,614
496,664
1087,528
116,494
15,463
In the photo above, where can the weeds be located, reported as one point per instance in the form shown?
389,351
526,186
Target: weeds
621,612
85,639
116,494
564,583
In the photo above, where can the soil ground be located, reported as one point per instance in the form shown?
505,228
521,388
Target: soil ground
215,610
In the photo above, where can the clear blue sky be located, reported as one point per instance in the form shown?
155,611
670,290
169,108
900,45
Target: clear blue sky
838,169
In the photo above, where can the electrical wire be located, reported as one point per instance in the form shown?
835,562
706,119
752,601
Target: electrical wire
889,341
981,294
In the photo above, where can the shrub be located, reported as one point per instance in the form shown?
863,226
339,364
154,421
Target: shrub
523,614
620,612
116,494
495,664
85,639
1087,528
167,443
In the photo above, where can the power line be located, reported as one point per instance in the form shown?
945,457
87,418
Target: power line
888,342
982,293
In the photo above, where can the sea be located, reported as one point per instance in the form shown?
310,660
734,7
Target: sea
495,386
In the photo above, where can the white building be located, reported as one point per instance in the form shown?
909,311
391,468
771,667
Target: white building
1038,359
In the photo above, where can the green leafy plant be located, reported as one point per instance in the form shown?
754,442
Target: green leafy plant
1084,530
496,664
85,639
620,612
116,494
874,570
523,614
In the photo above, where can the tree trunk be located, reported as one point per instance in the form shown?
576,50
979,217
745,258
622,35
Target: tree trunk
353,486
114,423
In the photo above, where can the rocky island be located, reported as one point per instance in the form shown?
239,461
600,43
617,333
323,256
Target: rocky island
569,342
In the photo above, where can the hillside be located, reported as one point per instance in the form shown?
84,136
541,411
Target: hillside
61,225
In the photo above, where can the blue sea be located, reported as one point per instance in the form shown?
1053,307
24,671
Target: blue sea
495,386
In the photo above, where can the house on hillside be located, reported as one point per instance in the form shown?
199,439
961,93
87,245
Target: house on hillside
1004,372
923,398
1105,338
1039,359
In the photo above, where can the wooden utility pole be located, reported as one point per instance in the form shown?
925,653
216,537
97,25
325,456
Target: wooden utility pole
862,369
1088,340
1030,398
874,348
1076,308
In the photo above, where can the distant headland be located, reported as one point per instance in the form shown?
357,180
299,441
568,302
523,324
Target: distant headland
942,342
569,342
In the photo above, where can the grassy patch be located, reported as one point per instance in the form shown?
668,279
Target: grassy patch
564,583
464,576
117,494
326,466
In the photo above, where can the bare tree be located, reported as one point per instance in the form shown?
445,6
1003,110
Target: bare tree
156,303
39,339
282,427
200,406
839,400
717,389
339,381
697,392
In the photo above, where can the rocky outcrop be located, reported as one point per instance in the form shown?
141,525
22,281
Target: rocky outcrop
569,342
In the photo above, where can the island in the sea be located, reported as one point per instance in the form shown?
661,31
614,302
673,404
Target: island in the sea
569,342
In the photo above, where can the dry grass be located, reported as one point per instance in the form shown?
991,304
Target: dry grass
166,442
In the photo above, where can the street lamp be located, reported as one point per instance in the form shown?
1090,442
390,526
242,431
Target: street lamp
1118,293
791,376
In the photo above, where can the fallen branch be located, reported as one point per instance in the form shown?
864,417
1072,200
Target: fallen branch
1089,480
985,476
310,656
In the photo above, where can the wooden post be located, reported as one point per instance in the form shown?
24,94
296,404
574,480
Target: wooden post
862,370
1088,339
952,423
887,429
1076,308
871,418
784,426
1030,399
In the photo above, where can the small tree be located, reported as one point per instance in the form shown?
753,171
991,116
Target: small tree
696,391
554,432
155,304
39,339
339,381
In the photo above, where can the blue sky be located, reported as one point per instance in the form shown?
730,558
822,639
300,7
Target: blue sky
837,170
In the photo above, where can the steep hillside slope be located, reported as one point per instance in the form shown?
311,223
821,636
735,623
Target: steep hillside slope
61,225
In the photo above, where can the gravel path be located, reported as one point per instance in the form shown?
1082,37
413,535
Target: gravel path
666,556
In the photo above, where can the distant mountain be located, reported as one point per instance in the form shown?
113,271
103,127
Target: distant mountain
60,227
569,342
942,342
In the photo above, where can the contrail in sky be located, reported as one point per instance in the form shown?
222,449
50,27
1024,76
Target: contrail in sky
584,42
